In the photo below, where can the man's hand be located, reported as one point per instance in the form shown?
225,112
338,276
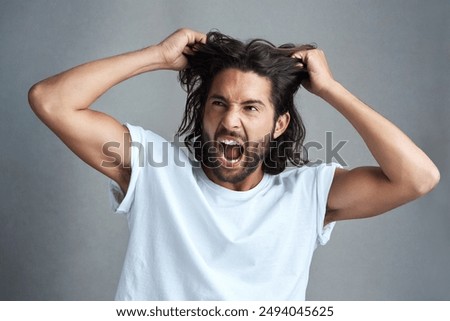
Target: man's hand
320,76
174,47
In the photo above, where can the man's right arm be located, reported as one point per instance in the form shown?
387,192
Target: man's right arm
62,101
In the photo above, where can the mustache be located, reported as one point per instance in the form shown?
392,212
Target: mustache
225,132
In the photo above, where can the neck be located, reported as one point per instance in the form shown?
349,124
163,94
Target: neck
245,184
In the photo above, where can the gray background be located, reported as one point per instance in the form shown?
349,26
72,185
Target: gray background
58,237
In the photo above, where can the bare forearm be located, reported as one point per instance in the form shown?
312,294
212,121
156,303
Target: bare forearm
79,87
399,158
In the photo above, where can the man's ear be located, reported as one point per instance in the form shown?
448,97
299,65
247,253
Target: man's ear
281,124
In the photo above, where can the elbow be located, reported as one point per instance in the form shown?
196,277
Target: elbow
426,182
35,97
38,101
434,178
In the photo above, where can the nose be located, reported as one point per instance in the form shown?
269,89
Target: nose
231,119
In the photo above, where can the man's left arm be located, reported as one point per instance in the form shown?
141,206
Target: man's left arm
405,172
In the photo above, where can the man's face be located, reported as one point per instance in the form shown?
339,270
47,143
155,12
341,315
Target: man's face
238,123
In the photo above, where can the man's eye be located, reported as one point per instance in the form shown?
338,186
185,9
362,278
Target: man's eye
218,103
251,108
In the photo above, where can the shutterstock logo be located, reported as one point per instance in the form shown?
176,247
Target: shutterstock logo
331,151
163,153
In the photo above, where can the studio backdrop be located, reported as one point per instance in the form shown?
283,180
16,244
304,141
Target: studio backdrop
59,239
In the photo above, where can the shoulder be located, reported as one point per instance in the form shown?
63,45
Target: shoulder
150,148
310,172
307,179
141,135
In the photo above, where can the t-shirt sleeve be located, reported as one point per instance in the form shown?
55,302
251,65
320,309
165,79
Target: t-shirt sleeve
120,203
324,178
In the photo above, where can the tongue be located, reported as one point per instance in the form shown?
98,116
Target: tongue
232,152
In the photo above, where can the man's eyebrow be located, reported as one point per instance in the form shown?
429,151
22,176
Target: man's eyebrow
216,96
247,102
253,102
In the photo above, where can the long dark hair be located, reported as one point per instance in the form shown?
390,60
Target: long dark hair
263,58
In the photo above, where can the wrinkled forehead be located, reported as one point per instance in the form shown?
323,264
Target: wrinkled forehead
238,86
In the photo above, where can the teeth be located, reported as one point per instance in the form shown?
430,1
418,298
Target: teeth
229,142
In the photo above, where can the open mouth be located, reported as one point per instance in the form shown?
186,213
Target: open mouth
232,150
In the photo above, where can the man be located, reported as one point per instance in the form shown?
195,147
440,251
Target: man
230,224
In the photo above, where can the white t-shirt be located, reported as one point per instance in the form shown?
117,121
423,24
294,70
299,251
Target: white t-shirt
191,239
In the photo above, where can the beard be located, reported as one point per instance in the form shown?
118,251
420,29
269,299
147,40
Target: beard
251,156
